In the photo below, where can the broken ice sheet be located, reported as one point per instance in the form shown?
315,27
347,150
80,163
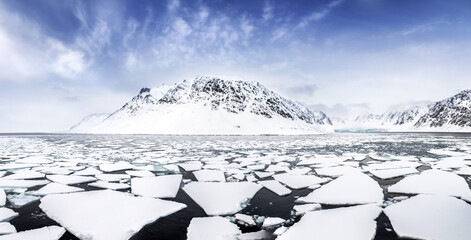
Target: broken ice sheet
246,219
353,188
220,198
112,177
304,208
212,228
161,186
431,217
19,200
336,171
433,182
3,197
88,172
353,223
392,173
70,179
140,173
117,166
7,214
109,185
191,166
105,214
55,188
6,228
275,187
44,233
20,183
298,181
271,222
209,176
25,174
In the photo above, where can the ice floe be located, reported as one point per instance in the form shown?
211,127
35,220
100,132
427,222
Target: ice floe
209,176
70,179
392,173
19,200
88,172
109,185
105,214
54,188
353,223
431,217
212,228
336,171
7,214
275,187
433,182
353,188
19,183
44,233
298,181
271,222
3,197
25,174
246,219
7,228
112,177
117,166
161,186
140,173
304,208
220,198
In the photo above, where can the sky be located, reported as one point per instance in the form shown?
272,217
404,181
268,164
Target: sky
62,60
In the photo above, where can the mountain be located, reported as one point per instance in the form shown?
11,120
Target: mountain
89,122
209,105
451,114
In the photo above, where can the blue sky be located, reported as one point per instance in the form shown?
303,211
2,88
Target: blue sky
62,60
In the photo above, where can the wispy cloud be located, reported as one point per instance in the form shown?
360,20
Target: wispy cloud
319,15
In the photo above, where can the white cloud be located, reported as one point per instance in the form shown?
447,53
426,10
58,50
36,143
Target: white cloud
319,15
66,62
173,5
267,11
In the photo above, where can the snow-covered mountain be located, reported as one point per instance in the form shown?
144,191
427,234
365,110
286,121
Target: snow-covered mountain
451,114
89,122
209,105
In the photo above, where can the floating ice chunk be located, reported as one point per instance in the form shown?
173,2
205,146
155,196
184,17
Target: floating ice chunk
275,187
105,214
109,185
246,219
53,170
277,168
44,233
298,181
299,171
7,228
264,174
391,165
431,217
304,208
110,177
88,172
173,168
25,174
262,234
271,222
352,188
117,166
15,183
3,197
7,214
256,167
12,166
209,176
191,166
140,173
464,171
434,182
161,186
33,160
212,228
353,223
336,171
219,198
54,188
19,200
2,173
70,179
392,173
280,231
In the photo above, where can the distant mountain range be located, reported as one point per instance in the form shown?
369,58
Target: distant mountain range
209,105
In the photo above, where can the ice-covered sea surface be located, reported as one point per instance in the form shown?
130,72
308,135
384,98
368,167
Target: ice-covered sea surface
359,186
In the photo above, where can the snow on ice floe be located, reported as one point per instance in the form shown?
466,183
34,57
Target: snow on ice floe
353,188
44,233
19,200
20,183
117,166
13,166
205,228
336,171
140,173
109,185
351,223
271,222
259,235
112,177
3,197
7,214
275,187
210,176
70,179
392,173
105,214
220,198
25,174
304,208
296,181
432,182
161,186
7,228
431,217
55,188
246,219
191,166
88,172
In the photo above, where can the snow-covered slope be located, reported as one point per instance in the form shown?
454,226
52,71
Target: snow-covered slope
208,105
451,114
89,122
